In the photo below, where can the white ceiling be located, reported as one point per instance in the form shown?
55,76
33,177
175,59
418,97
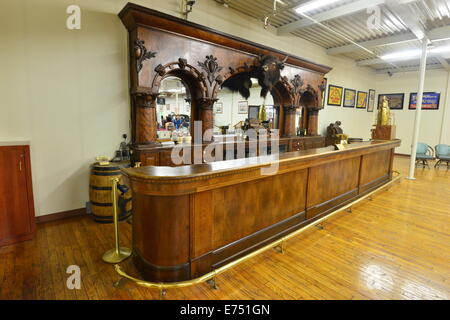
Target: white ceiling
342,28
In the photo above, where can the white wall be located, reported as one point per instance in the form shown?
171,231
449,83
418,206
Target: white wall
67,91
432,121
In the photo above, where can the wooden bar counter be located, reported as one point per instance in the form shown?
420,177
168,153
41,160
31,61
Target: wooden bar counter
190,220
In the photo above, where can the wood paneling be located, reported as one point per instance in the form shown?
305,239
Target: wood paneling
17,221
202,223
273,199
331,180
331,185
155,222
375,169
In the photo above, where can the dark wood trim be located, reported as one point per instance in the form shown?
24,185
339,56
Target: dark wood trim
13,240
134,15
153,272
332,204
372,185
256,240
61,215
402,155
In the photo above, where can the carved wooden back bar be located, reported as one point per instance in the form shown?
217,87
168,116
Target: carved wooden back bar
161,45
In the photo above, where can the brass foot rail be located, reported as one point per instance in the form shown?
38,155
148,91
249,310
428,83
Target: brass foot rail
280,242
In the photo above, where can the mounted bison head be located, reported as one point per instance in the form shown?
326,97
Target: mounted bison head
269,73
266,70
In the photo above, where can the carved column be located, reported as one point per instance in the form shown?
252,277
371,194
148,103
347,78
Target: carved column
145,122
313,122
206,114
289,121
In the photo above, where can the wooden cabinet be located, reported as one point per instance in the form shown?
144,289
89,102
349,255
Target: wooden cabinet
305,143
17,221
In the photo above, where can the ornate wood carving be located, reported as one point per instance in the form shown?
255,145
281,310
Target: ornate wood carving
211,68
315,95
175,68
182,63
160,70
142,54
219,57
297,83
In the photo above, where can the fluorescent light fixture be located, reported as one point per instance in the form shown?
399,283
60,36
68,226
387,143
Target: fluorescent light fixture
440,49
413,53
402,55
312,5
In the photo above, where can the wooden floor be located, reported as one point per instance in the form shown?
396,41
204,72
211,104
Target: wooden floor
394,247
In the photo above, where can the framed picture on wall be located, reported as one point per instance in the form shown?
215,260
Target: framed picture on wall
371,101
334,95
219,107
161,101
349,98
395,100
324,87
167,107
430,101
243,107
361,100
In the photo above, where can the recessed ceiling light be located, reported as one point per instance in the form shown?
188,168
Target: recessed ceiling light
312,5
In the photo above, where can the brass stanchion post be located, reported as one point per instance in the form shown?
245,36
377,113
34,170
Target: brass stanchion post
118,254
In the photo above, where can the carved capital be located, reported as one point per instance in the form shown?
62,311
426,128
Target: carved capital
290,109
145,100
206,103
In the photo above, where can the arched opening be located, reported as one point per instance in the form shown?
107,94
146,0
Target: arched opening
307,102
177,104
240,101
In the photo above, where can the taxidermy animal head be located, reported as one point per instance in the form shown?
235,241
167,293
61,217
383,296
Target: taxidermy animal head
267,71
241,83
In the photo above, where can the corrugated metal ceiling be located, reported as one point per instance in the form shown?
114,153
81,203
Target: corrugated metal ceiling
431,14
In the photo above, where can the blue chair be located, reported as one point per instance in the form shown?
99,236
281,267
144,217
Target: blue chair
423,154
442,154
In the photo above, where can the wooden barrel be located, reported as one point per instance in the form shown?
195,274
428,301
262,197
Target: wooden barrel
100,192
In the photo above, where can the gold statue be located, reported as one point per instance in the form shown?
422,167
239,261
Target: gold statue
384,114
262,113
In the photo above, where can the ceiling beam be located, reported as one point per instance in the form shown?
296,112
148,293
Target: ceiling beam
435,34
370,62
408,69
372,43
443,62
407,16
328,15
